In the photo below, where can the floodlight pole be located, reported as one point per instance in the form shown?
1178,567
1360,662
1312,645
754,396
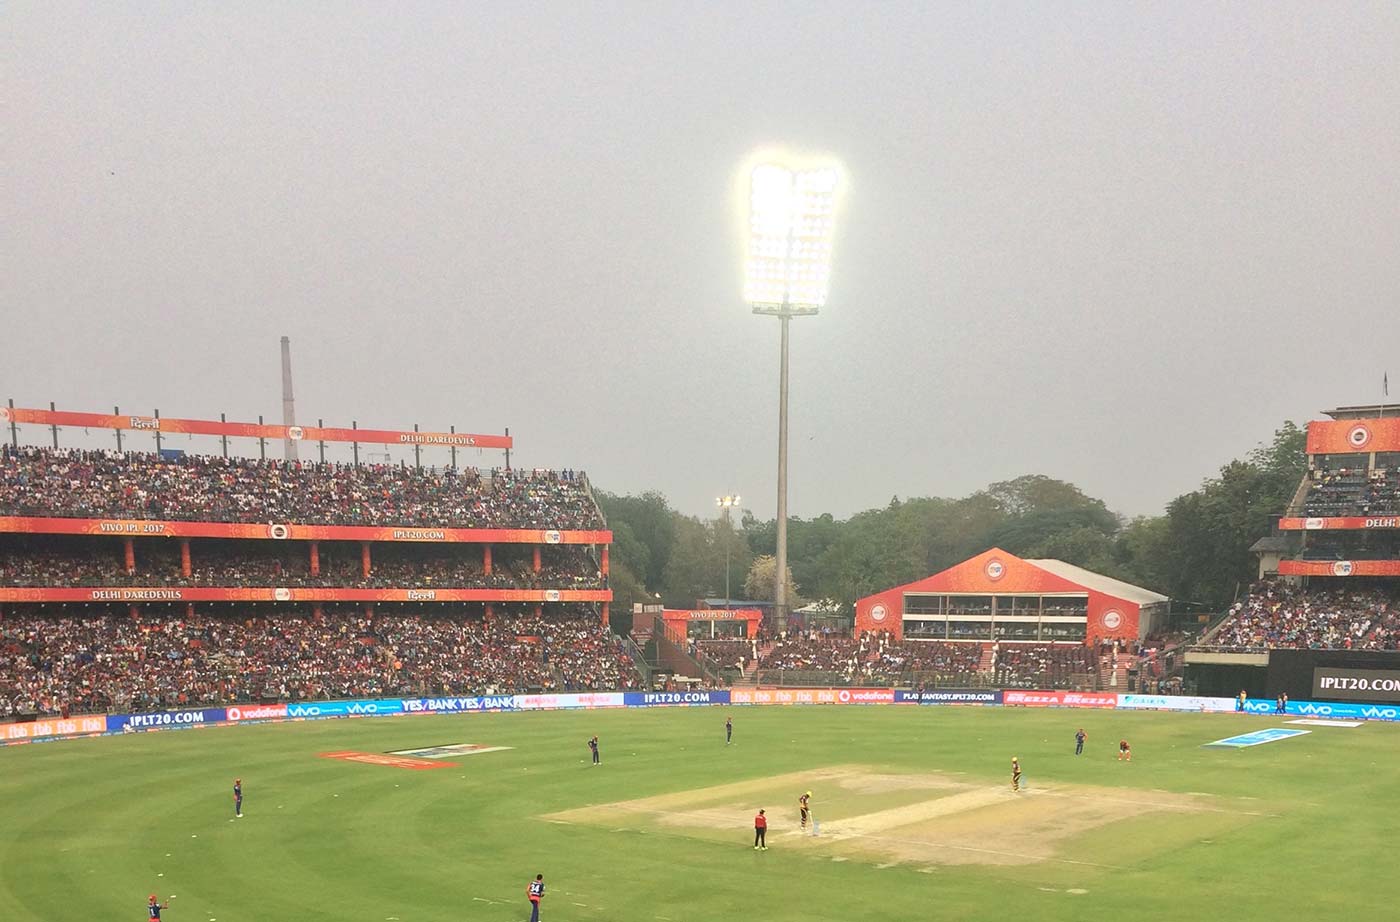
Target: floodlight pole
780,599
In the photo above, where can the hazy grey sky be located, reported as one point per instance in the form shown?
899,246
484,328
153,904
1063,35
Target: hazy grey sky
1113,243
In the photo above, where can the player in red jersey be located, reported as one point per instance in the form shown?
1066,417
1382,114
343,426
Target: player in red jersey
153,908
536,893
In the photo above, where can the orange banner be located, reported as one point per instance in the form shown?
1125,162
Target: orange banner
1343,436
1339,567
1338,522
132,528
165,424
132,594
53,728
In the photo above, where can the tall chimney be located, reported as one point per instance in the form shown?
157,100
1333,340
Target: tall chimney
289,413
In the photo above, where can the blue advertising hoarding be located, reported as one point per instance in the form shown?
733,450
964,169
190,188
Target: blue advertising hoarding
1340,709
165,720
368,707
658,699
948,696
459,705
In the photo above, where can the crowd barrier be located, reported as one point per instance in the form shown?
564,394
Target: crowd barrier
95,725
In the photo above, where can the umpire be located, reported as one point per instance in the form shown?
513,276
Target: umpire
760,832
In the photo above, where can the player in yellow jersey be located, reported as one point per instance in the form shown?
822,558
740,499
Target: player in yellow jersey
804,807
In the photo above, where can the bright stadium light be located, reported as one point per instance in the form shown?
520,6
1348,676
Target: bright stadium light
788,268
787,273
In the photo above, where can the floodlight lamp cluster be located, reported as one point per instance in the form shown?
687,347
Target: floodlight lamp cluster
791,212
726,502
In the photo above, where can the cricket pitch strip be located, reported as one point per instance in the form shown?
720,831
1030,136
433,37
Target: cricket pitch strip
930,819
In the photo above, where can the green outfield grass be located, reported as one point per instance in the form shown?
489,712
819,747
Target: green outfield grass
917,820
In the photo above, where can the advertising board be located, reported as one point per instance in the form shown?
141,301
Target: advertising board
1058,699
52,728
1177,703
165,720
949,696
1380,686
656,699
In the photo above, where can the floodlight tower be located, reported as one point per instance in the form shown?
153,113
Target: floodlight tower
787,274
727,503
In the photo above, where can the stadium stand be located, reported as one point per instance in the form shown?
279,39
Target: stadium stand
1277,615
1041,665
72,483
43,561
65,663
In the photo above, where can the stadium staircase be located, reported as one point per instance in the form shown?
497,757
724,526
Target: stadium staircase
987,665
1113,677
749,678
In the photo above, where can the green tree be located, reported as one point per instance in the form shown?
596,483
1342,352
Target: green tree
760,583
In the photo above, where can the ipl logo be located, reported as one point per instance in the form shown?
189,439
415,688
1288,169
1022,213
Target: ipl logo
1359,436
282,594
552,537
551,595
1343,568
1113,619
294,433
995,569
878,612
280,532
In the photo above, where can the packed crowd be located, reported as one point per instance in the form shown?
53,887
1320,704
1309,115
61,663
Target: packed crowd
1353,491
235,564
52,664
138,485
874,657
1277,615
726,654
1041,665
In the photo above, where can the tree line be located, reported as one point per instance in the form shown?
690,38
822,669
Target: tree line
1196,552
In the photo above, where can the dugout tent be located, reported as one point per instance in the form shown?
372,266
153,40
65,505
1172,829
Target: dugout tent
999,596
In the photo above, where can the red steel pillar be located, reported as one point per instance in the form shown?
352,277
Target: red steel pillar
486,559
129,555
315,558
185,568
364,558
537,558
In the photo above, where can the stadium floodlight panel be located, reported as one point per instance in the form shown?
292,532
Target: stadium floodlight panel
791,221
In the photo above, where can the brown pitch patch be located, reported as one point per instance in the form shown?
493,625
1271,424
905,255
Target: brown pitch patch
927,818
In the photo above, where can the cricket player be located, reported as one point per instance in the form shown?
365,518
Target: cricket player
238,797
536,893
728,730
1079,737
1125,752
1015,774
804,807
760,832
153,908
593,746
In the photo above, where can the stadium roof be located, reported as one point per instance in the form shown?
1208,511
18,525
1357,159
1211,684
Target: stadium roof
1365,411
1098,582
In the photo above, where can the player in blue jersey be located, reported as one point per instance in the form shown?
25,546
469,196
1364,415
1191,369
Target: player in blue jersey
593,745
153,908
237,796
536,893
